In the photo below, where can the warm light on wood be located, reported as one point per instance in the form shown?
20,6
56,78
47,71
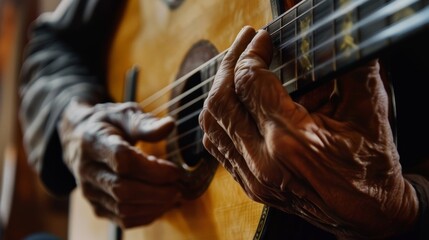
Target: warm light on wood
157,39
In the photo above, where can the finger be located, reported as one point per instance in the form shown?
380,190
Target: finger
222,90
212,149
212,130
257,87
125,221
227,157
123,208
220,146
265,100
222,103
137,125
116,156
235,171
131,191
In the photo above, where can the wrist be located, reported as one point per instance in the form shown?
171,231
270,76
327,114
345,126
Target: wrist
407,218
72,117
389,219
419,227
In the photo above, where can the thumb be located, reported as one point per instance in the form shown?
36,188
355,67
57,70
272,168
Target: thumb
139,126
145,127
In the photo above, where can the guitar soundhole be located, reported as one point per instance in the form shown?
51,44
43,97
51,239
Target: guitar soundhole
190,134
198,166
173,4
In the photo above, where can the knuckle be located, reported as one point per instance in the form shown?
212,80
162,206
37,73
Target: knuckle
230,60
98,211
244,79
208,145
121,209
120,159
214,103
203,118
117,189
228,151
118,150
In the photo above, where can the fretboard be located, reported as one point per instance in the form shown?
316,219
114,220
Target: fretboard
320,38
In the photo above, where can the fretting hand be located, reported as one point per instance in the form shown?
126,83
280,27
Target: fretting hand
333,162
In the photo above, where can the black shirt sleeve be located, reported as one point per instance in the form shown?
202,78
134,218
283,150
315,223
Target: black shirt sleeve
64,59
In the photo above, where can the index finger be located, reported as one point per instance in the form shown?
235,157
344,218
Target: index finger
223,84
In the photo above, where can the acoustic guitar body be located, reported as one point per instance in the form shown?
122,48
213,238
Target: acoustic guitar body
167,43
177,47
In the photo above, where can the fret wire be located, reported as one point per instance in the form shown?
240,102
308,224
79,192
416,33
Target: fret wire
296,17
291,51
385,11
322,34
392,31
365,33
306,61
176,83
329,19
397,4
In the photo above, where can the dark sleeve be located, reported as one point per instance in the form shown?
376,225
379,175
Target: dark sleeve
64,58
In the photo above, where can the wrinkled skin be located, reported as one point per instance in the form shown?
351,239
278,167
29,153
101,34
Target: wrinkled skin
120,181
333,162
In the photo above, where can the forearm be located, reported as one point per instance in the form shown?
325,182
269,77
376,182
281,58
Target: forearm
63,60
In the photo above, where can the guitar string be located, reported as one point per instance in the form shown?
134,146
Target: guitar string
377,15
172,153
417,19
220,56
166,90
208,81
195,113
345,9
374,17
168,104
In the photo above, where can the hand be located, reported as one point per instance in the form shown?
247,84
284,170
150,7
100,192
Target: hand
120,181
334,162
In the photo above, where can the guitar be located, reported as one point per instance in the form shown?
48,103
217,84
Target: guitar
178,49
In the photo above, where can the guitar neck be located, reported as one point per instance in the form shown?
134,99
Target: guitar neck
319,39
